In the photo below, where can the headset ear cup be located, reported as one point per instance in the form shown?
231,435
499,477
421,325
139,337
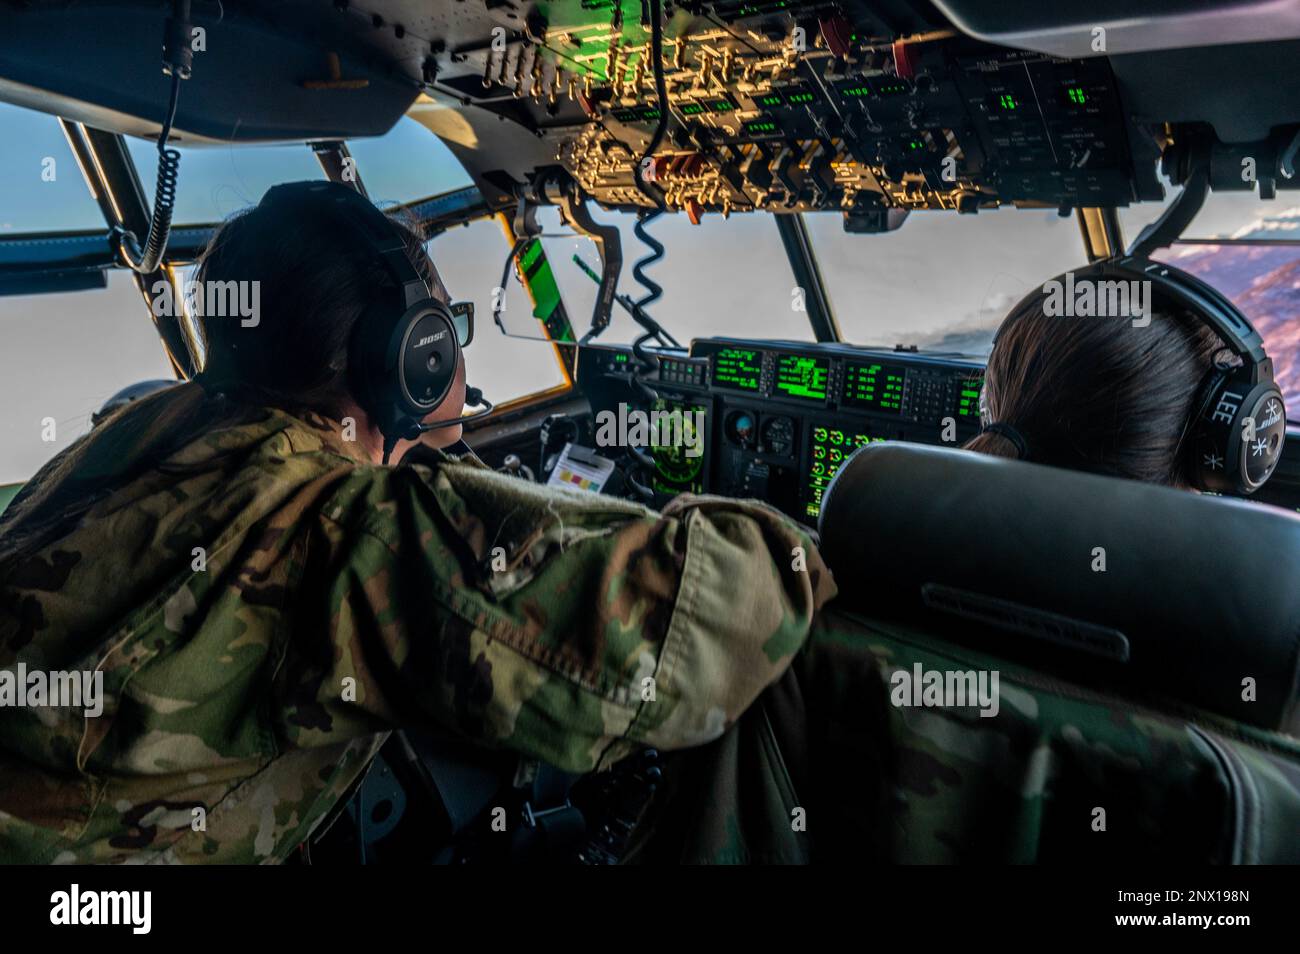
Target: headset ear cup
1263,440
401,371
429,354
1239,434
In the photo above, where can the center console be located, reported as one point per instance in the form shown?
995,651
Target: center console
779,417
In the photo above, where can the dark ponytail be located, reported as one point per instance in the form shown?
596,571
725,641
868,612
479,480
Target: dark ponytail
1096,394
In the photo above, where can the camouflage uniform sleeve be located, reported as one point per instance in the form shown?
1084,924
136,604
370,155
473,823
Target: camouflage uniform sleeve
566,626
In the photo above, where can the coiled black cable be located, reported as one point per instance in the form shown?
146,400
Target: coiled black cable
654,291
177,56
164,197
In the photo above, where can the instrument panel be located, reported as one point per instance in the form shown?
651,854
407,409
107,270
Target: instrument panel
935,124
803,106
774,420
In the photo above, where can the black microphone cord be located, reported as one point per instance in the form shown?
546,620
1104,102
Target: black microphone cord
473,396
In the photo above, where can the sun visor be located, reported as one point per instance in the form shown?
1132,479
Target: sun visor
253,80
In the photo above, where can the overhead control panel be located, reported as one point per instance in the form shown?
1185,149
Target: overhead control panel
800,107
933,124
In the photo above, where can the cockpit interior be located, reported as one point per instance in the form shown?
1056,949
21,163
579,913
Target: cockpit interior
722,248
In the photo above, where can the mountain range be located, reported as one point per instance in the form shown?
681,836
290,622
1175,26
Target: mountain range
1264,282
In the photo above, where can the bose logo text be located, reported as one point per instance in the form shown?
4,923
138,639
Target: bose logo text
430,339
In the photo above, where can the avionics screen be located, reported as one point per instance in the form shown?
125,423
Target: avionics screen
830,446
802,377
677,441
737,368
968,396
874,387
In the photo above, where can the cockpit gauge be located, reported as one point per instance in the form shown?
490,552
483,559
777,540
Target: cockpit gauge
778,436
740,428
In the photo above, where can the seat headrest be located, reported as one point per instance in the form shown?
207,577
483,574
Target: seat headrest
1177,593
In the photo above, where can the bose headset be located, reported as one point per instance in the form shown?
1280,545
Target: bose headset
1233,437
405,347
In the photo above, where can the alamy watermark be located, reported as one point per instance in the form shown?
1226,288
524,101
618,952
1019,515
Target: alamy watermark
632,427
78,907
23,688
1091,298
946,689
232,299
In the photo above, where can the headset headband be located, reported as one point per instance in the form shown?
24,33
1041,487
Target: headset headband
1207,304
385,244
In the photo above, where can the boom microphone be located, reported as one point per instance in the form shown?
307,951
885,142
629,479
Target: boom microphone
472,396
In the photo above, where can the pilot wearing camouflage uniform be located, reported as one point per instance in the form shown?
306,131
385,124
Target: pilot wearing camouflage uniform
263,601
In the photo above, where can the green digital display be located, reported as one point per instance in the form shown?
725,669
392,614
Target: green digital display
861,91
737,368
889,87
968,397
677,441
1007,103
802,377
760,127
828,449
692,109
636,114
874,387
770,100
722,105
799,98
1076,96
